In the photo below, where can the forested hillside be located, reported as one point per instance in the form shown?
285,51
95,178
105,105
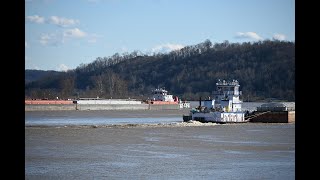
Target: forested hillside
34,75
264,69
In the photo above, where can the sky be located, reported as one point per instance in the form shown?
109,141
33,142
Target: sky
62,34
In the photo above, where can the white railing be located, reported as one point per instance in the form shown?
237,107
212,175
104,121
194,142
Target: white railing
226,93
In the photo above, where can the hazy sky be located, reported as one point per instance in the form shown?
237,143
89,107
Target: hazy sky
62,34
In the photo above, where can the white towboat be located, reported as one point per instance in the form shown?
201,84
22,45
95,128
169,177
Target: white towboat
224,108
161,97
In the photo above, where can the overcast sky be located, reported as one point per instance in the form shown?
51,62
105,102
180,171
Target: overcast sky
62,34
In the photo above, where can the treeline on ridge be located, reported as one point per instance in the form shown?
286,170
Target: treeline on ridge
264,69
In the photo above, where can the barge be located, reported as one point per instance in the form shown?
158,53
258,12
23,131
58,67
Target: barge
161,100
274,112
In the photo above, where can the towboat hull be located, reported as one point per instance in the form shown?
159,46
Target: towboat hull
217,117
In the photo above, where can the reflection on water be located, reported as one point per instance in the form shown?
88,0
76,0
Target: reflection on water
63,121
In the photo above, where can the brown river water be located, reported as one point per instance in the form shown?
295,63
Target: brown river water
228,151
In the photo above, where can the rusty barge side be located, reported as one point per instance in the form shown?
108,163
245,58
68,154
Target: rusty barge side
274,117
273,112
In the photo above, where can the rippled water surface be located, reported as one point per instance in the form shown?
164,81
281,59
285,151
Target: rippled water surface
246,151
229,151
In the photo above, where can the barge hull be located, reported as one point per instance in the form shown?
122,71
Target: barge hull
219,117
59,107
275,117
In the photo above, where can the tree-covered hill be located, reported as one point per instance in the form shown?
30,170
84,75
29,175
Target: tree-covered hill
34,75
264,69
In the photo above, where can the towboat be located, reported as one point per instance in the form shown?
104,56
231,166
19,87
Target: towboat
161,97
225,107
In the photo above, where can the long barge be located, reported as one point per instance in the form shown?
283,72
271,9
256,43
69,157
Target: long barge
161,100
